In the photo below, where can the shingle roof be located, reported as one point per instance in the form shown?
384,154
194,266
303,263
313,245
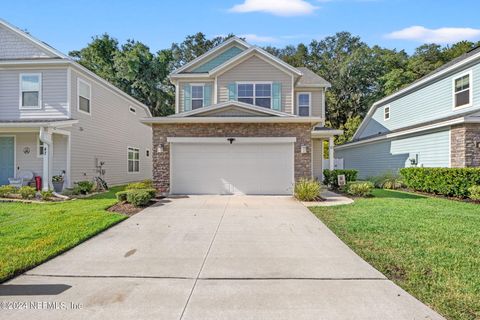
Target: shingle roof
310,78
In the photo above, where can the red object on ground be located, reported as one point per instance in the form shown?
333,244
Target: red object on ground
38,183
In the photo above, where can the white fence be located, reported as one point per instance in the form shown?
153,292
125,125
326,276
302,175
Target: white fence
338,164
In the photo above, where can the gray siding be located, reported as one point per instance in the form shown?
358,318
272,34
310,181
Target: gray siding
31,161
106,134
256,69
317,158
429,103
54,95
13,46
373,159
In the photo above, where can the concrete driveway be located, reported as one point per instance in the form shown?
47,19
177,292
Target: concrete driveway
212,257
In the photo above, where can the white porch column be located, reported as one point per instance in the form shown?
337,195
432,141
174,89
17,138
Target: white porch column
46,138
331,156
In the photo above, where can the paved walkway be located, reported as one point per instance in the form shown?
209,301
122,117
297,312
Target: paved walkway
212,257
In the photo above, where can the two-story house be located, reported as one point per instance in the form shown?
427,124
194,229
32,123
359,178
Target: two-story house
246,122
434,122
57,117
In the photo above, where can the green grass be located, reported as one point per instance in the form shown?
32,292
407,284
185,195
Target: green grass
33,233
428,246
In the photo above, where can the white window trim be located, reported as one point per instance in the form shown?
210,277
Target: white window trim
385,108
470,87
254,90
39,91
203,93
78,96
38,148
128,150
309,103
132,109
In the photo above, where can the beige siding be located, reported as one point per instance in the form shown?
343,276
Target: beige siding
105,135
14,46
317,103
256,69
181,85
317,158
53,90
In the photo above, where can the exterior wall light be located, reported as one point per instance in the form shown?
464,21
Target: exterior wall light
160,148
303,149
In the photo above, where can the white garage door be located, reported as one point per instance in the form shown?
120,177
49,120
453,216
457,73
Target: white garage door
247,166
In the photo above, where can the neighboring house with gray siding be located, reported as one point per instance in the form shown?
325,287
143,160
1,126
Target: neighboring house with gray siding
57,117
434,122
246,122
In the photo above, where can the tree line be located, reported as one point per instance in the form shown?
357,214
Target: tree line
360,74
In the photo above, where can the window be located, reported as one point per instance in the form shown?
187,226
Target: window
304,104
197,96
84,96
132,110
40,148
386,112
30,94
462,91
259,94
133,160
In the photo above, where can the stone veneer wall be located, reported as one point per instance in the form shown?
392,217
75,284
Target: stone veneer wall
464,152
161,161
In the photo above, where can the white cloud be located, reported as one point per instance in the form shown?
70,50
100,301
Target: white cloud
276,7
440,35
250,37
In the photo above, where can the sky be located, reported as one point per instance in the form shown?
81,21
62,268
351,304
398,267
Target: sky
394,24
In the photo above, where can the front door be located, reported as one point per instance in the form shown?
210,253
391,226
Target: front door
7,159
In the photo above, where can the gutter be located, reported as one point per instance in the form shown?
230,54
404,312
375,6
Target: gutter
173,120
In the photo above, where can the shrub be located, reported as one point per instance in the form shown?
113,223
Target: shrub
359,188
474,192
83,187
27,192
445,181
388,180
331,176
7,190
121,195
307,189
46,195
146,184
139,198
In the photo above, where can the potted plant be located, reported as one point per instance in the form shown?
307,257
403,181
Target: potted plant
57,182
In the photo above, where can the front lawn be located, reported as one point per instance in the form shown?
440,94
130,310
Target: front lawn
428,246
33,233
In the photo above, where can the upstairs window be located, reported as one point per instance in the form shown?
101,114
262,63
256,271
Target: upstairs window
133,160
84,96
197,96
30,94
462,91
386,112
259,94
303,101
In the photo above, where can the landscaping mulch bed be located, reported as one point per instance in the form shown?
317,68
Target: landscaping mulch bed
129,209
441,196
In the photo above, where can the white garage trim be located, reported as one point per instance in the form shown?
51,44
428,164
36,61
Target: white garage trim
237,139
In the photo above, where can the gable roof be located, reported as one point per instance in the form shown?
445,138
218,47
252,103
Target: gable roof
451,66
229,63
311,79
66,59
229,104
211,53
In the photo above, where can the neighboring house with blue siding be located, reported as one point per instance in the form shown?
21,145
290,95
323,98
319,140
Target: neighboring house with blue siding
57,117
434,122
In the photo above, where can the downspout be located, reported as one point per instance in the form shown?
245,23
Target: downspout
46,138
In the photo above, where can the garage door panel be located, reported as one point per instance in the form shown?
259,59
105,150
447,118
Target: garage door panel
220,168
